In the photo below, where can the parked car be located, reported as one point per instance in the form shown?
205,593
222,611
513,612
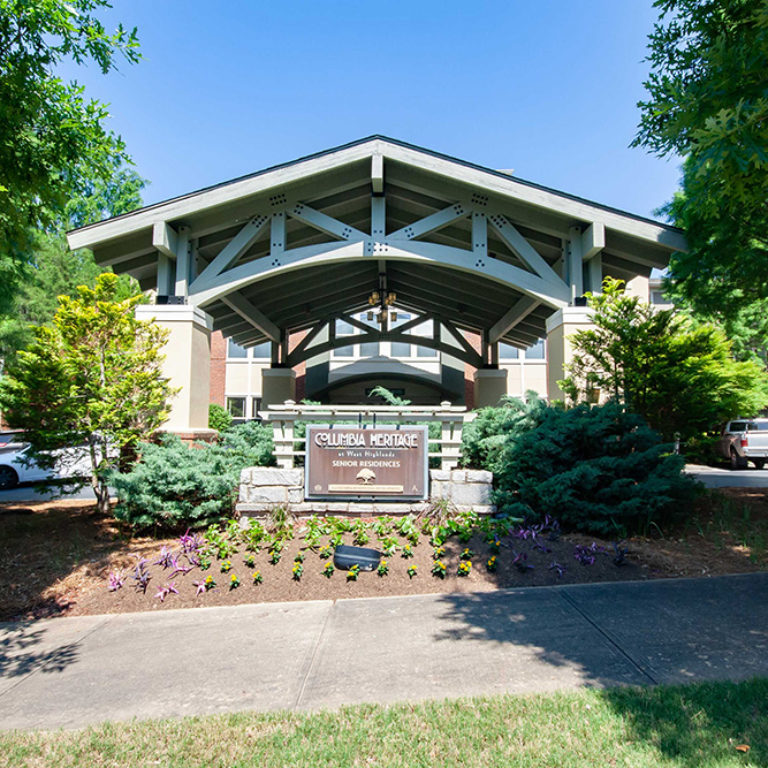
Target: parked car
744,440
15,466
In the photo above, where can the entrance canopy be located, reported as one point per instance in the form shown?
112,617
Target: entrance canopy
290,248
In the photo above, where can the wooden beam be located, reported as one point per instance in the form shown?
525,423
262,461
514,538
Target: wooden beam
277,234
479,235
378,218
432,223
593,240
238,245
164,239
595,274
575,263
183,261
377,173
522,248
164,275
310,337
458,335
248,312
521,309
324,223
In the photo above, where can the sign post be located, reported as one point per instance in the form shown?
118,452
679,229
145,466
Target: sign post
354,463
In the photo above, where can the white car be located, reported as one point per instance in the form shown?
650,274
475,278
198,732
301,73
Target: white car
15,469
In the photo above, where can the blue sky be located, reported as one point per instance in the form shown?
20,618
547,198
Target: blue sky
546,87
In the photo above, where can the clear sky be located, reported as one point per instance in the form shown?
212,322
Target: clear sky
545,87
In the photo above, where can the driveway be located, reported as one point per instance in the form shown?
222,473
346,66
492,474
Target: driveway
716,477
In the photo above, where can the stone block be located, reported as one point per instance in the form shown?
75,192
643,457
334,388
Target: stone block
471,495
252,510
245,476
360,508
242,494
338,507
273,494
479,476
438,490
459,475
310,507
277,476
303,508
295,495
439,475
391,509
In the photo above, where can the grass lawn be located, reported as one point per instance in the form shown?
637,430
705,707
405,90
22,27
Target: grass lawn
698,726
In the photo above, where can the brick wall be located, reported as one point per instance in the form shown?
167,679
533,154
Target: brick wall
301,369
469,370
218,367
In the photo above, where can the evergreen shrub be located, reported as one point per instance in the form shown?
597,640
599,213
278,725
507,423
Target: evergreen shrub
178,486
218,418
485,436
597,469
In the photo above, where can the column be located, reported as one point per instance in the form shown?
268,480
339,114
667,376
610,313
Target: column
187,365
277,386
560,327
490,386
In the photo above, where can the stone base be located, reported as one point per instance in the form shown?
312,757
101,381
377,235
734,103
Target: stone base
262,489
190,436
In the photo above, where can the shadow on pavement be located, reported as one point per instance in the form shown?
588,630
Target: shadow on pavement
20,651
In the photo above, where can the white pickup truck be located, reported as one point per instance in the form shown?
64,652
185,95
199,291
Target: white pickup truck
744,440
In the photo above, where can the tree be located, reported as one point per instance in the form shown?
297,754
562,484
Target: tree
676,373
708,102
54,143
93,377
52,270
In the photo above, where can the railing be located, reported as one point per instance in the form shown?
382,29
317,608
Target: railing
285,416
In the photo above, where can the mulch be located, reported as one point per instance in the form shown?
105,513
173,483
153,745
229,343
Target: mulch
56,557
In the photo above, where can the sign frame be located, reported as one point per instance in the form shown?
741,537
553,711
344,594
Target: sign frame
368,497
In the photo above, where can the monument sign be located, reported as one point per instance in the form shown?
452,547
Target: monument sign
387,463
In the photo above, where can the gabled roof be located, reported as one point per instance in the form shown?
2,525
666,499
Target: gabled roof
339,188
497,182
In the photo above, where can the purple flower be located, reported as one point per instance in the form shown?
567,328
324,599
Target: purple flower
116,579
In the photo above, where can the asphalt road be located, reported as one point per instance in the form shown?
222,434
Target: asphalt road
715,477
31,492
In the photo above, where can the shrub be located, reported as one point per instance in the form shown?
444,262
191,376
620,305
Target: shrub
177,486
484,438
218,418
597,469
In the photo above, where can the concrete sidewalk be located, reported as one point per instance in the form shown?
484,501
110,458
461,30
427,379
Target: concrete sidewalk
77,671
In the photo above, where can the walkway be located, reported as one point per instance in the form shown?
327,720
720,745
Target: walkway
76,671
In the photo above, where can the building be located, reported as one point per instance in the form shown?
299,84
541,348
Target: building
376,262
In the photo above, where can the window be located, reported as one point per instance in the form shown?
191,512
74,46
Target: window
235,350
343,328
508,352
369,349
236,409
535,352
256,407
262,351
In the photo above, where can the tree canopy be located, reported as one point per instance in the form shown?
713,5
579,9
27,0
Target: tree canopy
708,101
53,142
93,377
676,373
52,270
